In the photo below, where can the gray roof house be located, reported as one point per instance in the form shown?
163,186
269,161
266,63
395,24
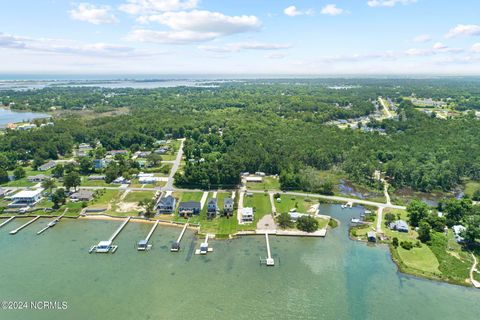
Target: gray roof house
47,166
399,225
82,195
166,204
372,237
189,208
227,206
38,178
212,208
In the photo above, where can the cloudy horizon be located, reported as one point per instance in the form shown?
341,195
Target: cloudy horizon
362,37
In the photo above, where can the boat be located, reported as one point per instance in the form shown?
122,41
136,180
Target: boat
103,247
52,223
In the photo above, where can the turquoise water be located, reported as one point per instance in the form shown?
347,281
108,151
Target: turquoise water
331,278
8,116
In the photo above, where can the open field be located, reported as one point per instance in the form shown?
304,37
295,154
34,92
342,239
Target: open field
268,183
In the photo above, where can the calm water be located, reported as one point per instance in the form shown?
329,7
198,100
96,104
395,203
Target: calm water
331,278
8,116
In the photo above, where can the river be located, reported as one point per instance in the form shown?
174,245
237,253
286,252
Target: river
330,278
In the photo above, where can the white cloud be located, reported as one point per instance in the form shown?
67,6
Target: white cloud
93,14
388,3
136,7
332,10
464,30
275,56
170,37
475,47
193,26
60,46
292,11
235,47
422,38
437,48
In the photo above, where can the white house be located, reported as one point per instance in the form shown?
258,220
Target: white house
247,214
457,231
26,198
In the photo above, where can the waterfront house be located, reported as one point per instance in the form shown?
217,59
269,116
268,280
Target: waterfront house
227,206
47,166
212,208
166,204
399,225
188,208
371,236
247,214
82,195
38,178
26,198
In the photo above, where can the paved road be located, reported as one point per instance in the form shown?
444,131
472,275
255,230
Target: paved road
338,198
176,165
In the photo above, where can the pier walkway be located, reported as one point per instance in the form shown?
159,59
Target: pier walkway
25,225
53,222
116,233
176,244
7,221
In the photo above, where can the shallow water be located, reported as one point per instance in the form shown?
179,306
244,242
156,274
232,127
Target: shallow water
331,278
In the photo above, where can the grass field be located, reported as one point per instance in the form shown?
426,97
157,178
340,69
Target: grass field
288,202
107,198
261,206
136,196
268,183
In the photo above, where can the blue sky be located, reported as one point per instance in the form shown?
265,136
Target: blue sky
314,37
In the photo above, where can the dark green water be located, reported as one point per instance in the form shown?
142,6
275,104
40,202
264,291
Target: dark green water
331,278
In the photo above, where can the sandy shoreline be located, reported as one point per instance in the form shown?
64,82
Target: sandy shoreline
135,219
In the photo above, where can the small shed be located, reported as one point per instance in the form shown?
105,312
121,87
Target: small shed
372,237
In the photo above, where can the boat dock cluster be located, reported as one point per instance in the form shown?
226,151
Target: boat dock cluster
108,246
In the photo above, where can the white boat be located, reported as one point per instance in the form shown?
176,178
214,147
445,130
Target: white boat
103,247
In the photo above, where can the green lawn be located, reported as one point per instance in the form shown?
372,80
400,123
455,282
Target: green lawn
96,183
107,197
221,226
288,202
268,183
421,259
261,206
136,196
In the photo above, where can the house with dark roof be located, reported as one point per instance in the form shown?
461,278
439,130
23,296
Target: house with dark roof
212,208
166,204
188,208
47,166
227,206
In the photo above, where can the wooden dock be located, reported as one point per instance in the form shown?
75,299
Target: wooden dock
116,233
53,222
7,221
25,225
176,244
269,261
143,244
